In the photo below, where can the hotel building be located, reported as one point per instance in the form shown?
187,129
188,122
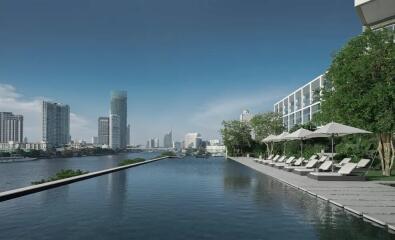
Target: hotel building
300,106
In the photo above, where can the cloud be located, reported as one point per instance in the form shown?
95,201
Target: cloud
12,101
210,116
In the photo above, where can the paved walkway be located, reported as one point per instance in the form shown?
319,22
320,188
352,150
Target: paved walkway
372,201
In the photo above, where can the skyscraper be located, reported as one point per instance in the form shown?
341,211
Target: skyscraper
193,140
128,135
55,123
103,131
11,127
119,108
168,140
115,131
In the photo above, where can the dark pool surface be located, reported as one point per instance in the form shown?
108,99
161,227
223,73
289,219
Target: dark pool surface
21,174
179,199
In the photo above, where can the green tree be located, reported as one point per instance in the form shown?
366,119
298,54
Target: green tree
361,90
267,123
264,124
236,136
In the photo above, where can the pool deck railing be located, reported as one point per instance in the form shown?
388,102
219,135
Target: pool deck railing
372,201
15,193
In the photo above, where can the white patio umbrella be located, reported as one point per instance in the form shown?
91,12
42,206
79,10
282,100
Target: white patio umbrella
334,129
301,134
281,138
267,140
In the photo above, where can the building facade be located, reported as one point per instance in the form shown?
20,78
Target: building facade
246,116
115,132
168,140
103,131
192,140
11,127
376,14
119,108
55,124
300,106
128,137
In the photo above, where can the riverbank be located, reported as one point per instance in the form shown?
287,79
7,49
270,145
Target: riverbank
372,201
7,195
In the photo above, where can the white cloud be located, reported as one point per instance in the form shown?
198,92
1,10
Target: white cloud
209,117
12,101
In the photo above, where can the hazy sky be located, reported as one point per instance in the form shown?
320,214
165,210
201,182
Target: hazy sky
186,64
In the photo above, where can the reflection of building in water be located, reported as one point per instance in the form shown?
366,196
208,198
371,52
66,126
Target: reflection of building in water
117,192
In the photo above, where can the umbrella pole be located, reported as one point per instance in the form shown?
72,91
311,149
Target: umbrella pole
332,147
301,148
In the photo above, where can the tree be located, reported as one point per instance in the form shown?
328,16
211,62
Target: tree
264,124
361,90
236,136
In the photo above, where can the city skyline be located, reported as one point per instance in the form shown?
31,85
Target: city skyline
162,59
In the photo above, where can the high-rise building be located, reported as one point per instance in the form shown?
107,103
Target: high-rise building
192,140
245,116
55,124
168,140
119,108
128,136
95,140
156,142
11,127
115,131
103,131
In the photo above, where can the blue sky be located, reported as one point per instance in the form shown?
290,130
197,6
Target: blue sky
186,64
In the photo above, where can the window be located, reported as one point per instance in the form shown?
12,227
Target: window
298,117
292,103
306,115
298,100
306,96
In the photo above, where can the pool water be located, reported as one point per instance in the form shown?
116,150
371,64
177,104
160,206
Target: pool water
190,198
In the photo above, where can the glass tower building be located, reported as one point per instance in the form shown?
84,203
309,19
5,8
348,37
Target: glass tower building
55,124
119,108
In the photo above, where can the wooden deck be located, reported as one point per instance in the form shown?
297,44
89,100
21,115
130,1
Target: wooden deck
372,201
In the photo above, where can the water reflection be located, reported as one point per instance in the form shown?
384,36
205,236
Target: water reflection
179,199
234,177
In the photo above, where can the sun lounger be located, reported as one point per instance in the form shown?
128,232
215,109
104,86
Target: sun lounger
362,166
345,173
288,162
280,160
325,166
269,160
311,164
323,159
311,158
342,162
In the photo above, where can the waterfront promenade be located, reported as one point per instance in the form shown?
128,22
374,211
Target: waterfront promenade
372,201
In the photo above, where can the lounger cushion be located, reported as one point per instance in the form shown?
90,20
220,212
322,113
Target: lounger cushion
363,163
347,169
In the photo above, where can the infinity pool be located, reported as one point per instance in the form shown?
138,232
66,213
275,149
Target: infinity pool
179,199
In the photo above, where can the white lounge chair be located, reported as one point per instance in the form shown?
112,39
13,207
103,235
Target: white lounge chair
286,163
260,158
311,164
269,160
323,159
325,166
342,162
280,160
345,173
